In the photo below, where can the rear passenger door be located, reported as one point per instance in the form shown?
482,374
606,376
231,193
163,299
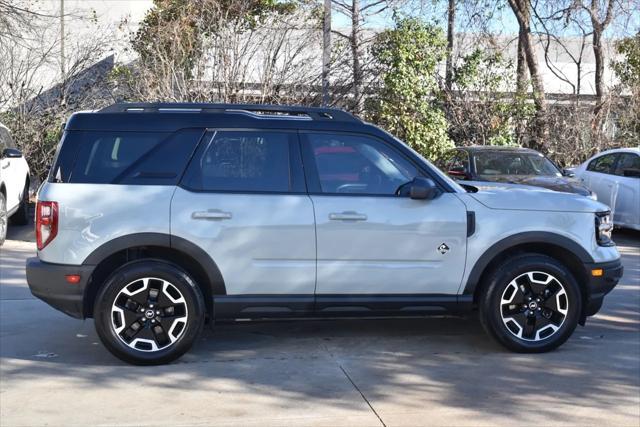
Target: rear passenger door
599,178
371,241
243,200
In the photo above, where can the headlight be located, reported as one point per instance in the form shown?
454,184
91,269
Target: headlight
604,227
593,196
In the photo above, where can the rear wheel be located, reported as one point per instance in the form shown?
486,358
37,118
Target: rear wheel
21,216
531,304
149,312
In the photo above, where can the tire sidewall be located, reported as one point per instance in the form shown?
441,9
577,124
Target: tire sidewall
491,311
138,270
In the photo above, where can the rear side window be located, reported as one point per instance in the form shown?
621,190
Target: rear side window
241,161
627,162
602,164
124,157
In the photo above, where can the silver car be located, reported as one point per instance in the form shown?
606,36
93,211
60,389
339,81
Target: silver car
157,218
614,175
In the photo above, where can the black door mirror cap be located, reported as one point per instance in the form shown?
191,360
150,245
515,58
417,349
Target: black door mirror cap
422,188
11,153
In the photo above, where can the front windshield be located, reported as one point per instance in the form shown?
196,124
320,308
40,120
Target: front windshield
513,163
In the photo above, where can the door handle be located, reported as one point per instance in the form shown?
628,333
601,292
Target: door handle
347,216
211,214
7,165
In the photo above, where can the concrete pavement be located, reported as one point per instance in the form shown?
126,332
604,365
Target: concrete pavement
435,371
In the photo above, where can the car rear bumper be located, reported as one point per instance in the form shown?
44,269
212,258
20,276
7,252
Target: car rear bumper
599,286
49,283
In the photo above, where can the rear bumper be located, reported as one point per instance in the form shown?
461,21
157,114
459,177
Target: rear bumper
48,282
599,286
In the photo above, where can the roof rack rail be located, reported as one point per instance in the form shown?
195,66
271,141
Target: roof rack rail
255,110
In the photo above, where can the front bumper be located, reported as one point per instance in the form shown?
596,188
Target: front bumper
48,282
599,286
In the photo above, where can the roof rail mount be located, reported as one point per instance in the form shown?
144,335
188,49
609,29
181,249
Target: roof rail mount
256,110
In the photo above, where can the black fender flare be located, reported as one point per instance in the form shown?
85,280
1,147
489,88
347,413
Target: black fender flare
532,237
165,241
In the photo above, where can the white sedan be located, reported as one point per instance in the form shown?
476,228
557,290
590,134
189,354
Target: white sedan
614,175
14,184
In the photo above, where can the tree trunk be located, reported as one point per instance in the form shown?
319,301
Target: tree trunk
520,9
451,20
326,52
354,40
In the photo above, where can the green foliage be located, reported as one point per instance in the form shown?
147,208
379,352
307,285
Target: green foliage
628,68
482,115
407,106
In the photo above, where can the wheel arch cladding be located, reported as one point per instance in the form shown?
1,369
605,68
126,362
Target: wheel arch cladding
176,250
562,248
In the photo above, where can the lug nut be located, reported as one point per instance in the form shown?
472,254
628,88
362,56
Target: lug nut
150,305
153,320
158,312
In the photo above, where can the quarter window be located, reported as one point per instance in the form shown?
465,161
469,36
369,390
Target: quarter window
241,161
602,164
354,164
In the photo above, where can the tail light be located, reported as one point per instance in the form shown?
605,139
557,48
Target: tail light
46,223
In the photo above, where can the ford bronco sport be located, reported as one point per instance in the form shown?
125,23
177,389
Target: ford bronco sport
158,217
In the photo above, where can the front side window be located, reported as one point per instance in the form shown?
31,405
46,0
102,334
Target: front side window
243,161
355,164
603,164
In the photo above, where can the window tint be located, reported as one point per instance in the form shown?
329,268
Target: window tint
104,156
357,164
627,161
124,157
241,161
602,164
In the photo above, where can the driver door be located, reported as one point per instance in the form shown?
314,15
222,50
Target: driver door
369,240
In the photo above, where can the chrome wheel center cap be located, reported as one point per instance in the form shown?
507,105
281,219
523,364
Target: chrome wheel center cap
149,314
533,305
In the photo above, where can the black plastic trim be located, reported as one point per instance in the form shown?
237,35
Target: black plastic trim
166,241
598,287
47,282
539,237
471,223
338,305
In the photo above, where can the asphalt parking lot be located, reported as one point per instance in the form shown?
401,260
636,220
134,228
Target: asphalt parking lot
434,371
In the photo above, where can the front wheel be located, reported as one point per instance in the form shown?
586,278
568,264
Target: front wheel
532,304
149,312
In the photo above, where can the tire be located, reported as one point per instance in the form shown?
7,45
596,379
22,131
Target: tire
531,304
3,219
21,216
151,294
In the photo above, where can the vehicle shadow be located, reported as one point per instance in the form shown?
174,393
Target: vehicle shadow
443,360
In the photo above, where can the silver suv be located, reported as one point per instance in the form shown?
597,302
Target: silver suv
157,218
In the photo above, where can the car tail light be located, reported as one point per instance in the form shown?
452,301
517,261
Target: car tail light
46,223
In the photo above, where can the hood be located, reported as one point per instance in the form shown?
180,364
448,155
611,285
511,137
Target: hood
533,199
555,183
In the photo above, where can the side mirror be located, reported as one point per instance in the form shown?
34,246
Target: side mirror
633,173
568,173
422,188
11,153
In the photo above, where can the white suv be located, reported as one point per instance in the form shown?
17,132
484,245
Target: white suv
14,184
157,217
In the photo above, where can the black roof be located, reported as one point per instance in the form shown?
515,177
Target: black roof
169,117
